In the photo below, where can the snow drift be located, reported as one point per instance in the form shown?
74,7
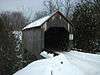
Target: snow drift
66,63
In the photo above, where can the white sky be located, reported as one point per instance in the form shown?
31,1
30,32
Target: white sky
29,7
34,5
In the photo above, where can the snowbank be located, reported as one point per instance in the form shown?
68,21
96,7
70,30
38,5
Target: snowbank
67,63
46,55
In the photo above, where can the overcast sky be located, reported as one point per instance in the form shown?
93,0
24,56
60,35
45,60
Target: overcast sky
29,7
35,5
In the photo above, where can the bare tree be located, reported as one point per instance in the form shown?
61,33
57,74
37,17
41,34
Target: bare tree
50,6
39,14
61,5
18,20
13,20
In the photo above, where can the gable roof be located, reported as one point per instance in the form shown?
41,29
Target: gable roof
42,20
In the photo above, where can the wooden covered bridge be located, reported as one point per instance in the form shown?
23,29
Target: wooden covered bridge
51,32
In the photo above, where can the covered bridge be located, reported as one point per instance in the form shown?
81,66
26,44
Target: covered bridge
50,32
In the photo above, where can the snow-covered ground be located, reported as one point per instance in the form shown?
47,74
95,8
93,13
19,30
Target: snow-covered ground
66,63
46,55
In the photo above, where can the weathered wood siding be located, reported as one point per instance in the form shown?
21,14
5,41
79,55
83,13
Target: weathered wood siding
28,39
33,40
57,21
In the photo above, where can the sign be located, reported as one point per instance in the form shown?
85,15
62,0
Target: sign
71,37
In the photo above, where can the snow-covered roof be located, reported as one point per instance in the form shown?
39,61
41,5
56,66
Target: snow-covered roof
37,23
67,63
40,21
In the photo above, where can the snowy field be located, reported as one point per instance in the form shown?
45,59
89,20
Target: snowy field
66,63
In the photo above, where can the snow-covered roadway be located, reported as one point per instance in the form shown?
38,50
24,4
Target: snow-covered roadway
67,63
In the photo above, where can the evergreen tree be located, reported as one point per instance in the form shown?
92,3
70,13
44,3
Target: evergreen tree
85,22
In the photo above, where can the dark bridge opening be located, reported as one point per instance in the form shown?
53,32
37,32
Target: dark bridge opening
56,38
